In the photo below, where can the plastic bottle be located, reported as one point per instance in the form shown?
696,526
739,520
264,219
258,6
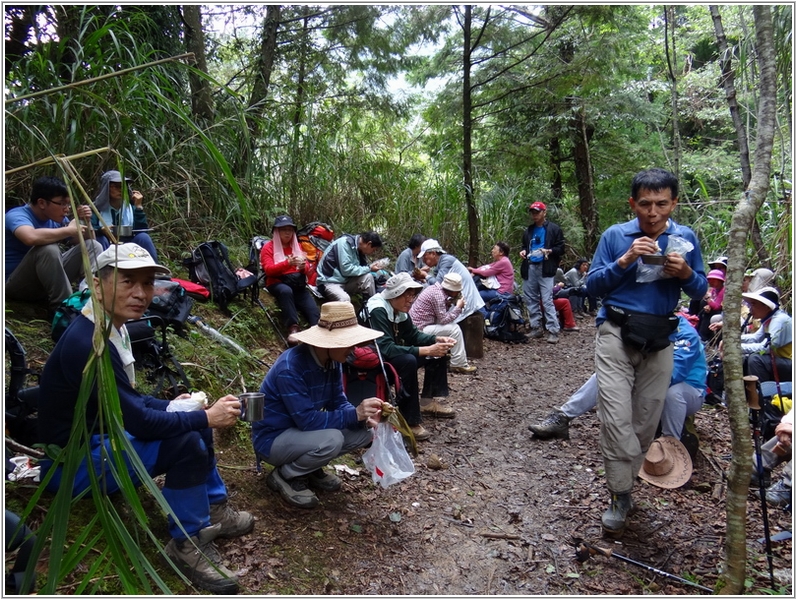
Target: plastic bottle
126,220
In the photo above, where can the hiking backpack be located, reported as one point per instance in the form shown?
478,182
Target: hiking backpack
363,377
209,265
505,317
22,400
314,238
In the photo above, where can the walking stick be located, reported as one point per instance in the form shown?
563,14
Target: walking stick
584,550
754,403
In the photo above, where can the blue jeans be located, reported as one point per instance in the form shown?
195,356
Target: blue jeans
192,481
535,289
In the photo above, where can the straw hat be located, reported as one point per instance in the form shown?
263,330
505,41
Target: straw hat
452,282
667,463
398,284
337,328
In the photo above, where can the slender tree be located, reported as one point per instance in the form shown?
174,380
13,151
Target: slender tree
201,95
733,573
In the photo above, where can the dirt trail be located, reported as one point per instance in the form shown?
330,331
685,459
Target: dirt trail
499,518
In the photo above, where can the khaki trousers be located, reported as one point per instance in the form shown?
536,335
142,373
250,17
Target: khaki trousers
631,392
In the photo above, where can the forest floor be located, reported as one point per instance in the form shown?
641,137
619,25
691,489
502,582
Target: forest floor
490,510
500,516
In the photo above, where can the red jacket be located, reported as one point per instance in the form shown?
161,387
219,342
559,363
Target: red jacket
274,272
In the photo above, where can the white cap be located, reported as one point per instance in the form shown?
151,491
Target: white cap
129,257
428,245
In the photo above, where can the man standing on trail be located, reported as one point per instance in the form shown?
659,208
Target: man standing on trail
541,250
633,351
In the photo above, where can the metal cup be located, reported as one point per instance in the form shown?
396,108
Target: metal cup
251,406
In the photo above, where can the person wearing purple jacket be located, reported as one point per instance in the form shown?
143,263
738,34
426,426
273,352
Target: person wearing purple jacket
633,349
177,443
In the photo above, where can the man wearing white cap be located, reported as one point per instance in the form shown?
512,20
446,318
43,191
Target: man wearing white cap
178,444
435,311
434,257
772,341
307,419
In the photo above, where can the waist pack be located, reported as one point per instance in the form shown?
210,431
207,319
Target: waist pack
646,333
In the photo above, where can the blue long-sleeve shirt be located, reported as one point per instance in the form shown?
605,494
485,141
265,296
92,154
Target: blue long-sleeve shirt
301,394
618,286
689,357
144,417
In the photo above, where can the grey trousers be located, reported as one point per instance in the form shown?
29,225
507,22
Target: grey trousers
46,273
299,453
631,392
538,289
340,292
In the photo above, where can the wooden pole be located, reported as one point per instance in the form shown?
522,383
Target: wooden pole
187,55
57,157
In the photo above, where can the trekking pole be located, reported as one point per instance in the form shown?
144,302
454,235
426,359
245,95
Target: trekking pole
584,550
271,320
754,403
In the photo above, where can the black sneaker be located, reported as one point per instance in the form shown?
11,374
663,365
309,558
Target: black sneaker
294,491
555,425
321,480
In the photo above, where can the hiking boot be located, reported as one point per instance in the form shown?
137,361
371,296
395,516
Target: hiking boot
203,567
435,409
555,425
536,334
294,491
613,520
321,480
233,523
569,329
465,369
779,493
420,432
552,338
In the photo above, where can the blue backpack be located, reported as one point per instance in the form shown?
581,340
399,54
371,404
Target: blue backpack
505,317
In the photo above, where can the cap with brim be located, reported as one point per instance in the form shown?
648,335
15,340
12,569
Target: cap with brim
667,463
116,177
430,245
337,328
768,296
720,260
283,221
398,284
452,282
537,206
129,257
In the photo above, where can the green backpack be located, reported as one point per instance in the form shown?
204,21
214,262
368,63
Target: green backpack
68,311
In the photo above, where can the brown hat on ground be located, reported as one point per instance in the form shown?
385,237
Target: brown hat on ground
667,463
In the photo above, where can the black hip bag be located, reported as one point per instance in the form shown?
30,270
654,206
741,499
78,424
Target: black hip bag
646,333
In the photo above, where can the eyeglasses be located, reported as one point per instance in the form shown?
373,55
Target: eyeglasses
58,203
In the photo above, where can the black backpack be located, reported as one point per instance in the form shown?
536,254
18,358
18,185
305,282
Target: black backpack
505,317
172,303
209,265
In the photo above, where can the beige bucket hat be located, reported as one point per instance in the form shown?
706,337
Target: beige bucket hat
337,328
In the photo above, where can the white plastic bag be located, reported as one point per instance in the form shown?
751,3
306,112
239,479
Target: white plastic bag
197,401
387,458
491,282
647,273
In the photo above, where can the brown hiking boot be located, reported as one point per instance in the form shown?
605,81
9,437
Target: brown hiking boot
233,523
420,432
435,409
203,566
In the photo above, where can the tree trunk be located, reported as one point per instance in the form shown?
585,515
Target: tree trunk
582,133
201,96
729,85
733,572
266,59
555,149
298,109
21,20
467,151
669,40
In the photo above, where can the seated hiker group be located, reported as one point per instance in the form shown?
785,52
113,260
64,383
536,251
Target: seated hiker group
650,364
